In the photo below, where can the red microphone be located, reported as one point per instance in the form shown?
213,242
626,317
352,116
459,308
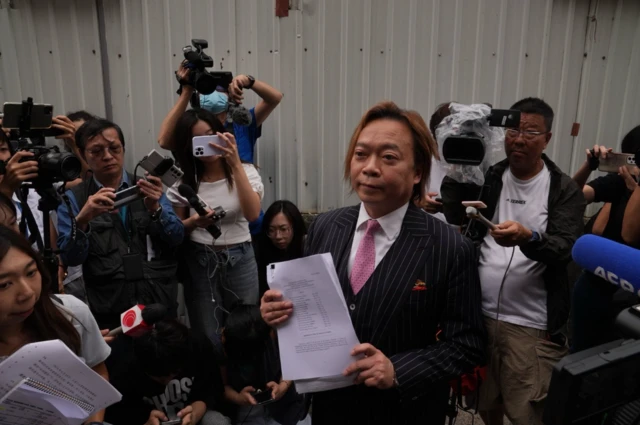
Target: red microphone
139,319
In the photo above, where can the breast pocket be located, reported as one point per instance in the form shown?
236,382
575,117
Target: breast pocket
100,240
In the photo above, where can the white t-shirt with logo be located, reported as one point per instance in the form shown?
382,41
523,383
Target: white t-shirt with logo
524,297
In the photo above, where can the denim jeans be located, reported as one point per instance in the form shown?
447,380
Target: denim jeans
215,281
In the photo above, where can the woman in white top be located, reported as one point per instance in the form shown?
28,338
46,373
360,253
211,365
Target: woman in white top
217,273
28,313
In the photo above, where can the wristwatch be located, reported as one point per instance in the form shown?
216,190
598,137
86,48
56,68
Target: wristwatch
252,81
156,214
535,236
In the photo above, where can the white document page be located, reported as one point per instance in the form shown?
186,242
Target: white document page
30,406
53,364
317,340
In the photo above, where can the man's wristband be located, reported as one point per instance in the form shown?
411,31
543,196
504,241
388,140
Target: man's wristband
252,81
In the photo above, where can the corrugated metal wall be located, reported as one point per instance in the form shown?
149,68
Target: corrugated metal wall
332,59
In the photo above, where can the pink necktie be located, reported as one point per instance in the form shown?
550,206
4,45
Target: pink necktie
365,261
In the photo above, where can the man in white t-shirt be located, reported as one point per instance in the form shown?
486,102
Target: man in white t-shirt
538,213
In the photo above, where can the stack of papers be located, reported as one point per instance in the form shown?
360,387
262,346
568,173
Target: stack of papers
45,383
316,342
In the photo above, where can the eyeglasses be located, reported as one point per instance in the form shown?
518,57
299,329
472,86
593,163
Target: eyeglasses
274,231
99,151
513,133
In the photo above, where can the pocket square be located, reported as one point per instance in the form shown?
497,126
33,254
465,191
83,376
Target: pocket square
419,286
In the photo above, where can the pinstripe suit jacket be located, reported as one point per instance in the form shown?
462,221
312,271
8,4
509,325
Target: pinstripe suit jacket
396,315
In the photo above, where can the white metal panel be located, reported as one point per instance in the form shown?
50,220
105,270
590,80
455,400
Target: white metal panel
333,59
50,50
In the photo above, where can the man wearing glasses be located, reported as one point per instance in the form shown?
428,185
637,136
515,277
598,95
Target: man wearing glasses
127,253
537,210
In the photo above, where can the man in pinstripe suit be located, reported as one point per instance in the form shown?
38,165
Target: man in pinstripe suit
404,275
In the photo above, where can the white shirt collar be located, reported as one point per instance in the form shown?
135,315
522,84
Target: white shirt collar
390,223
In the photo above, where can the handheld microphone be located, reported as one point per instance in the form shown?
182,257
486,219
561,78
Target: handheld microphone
612,261
139,319
473,214
199,206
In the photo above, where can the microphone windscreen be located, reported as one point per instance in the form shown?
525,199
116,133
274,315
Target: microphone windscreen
240,115
153,313
609,260
186,192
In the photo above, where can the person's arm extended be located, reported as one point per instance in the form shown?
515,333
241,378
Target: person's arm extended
73,252
100,369
631,220
168,227
270,96
165,138
582,175
601,220
249,199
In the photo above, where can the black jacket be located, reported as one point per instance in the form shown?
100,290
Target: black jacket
565,224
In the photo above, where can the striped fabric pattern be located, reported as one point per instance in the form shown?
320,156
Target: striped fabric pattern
428,281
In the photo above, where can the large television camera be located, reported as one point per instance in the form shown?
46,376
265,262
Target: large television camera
470,138
600,385
203,81
29,123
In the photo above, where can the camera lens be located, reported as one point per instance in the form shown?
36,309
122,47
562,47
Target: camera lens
59,166
205,83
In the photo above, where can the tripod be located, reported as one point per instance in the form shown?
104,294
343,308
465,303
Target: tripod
49,200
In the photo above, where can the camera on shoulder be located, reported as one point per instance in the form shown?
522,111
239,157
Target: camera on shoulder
205,82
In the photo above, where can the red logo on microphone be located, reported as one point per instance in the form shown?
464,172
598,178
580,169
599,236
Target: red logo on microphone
129,318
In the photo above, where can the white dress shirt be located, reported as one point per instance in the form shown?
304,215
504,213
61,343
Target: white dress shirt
385,237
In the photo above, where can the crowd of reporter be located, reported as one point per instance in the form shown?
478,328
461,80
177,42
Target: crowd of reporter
208,372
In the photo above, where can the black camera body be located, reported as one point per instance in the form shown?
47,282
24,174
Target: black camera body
53,166
205,82
468,147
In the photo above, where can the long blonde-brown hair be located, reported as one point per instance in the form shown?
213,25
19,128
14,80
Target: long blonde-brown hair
424,147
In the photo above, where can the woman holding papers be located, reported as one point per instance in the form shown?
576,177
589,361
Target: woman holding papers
404,275
28,313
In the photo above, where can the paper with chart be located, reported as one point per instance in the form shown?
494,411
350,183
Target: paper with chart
316,342
50,363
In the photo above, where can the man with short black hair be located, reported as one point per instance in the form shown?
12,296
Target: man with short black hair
127,254
538,212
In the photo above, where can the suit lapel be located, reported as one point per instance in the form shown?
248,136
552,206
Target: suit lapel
393,281
345,225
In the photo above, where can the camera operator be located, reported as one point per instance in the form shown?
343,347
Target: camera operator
127,254
217,103
70,279
595,301
16,173
537,210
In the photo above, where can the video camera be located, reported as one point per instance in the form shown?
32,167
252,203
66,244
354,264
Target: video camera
30,123
599,383
470,137
205,82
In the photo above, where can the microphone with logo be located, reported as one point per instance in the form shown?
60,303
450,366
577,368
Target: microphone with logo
201,208
612,261
139,319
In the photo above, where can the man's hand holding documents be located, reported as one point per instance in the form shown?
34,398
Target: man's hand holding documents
317,342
